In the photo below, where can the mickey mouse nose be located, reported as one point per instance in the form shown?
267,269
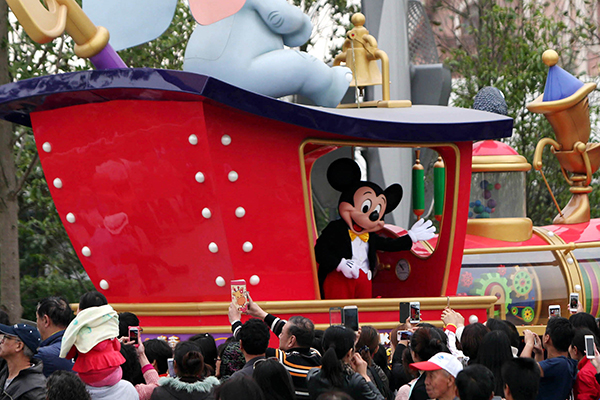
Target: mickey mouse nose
374,216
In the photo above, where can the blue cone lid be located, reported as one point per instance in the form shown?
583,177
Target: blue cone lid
560,84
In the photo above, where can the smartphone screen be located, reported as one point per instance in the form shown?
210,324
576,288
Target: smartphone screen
573,302
335,316
350,316
415,312
171,368
589,346
404,312
404,335
134,334
554,311
239,295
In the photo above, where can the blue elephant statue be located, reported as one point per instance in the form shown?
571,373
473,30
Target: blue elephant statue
238,41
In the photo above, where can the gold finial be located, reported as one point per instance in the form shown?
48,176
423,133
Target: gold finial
550,58
358,19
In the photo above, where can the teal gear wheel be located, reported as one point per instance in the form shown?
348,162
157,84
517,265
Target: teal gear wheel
528,315
492,284
514,311
521,282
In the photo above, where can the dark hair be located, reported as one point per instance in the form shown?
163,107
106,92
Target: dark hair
579,339
274,380
65,385
208,347
561,333
317,343
471,339
188,359
304,330
240,387
159,351
92,299
493,353
500,325
57,309
254,336
337,341
513,336
127,319
426,342
381,358
368,343
522,375
132,370
406,361
334,395
475,382
585,320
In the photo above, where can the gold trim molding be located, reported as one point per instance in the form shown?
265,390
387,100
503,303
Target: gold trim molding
507,229
507,163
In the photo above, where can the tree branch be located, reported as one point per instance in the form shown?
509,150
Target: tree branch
21,182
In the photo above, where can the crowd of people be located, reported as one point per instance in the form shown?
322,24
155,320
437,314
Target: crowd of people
90,355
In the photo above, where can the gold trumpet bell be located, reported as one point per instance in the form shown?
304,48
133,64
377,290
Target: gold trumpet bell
574,161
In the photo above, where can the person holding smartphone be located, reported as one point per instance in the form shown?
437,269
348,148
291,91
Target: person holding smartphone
295,341
558,372
586,387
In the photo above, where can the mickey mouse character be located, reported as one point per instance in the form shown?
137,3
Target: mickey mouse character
346,249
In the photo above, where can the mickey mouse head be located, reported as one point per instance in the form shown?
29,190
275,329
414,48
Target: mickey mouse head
362,204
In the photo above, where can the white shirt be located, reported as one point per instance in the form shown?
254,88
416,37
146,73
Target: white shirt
360,254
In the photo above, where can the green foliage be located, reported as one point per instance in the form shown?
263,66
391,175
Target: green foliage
502,46
34,289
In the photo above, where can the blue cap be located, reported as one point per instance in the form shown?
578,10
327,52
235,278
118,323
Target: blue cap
27,333
560,84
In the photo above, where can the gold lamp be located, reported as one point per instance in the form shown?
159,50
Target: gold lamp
568,114
360,53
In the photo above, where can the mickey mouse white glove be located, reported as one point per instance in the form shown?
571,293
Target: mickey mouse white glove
421,230
348,268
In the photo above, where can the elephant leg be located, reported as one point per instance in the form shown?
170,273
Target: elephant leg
283,72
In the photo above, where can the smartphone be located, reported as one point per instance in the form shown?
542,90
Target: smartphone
350,317
573,302
415,312
171,367
404,335
589,346
335,316
239,295
404,312
553,311
134,334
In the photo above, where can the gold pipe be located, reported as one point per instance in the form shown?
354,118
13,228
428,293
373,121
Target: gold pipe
539,151
385,67
523,249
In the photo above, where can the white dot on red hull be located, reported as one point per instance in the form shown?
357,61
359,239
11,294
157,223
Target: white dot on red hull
71,218
240,212
213,248
226,140
254,280
247,247
206,213
199,177
86,251
47,147
193,139
233,176
104,284
57,183
220,281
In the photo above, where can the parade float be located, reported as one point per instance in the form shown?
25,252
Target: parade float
171,184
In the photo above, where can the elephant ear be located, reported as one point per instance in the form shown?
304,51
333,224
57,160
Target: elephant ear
131,22
207,12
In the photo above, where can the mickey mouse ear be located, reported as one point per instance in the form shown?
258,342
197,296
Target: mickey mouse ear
343,173
393,194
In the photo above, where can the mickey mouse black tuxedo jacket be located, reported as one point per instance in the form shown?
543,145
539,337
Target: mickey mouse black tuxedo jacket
335,244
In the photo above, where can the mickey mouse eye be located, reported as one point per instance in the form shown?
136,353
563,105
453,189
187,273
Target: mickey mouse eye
366,206
378,209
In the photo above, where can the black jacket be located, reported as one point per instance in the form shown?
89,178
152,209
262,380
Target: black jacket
185,389
334,244
355,385
29,384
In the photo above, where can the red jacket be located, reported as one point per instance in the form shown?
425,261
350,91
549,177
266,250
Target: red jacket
586,387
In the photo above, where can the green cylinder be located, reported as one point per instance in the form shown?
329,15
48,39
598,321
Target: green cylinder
418,189
439,187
